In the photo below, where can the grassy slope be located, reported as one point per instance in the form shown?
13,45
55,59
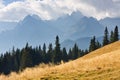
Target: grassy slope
102,64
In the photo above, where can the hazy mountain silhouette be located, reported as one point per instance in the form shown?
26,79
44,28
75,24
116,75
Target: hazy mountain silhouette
110,22
70,28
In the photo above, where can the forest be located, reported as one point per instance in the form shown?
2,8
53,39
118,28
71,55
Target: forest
18,59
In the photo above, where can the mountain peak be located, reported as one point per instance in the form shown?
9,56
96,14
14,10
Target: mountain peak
36,17
29,17
77,14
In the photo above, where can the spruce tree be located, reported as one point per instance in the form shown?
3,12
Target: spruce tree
98,45
57,51
92,46
44,53
37,58
112,37
70,55
116,34
18,57
106,38
64,55
75,53
26,59
50,55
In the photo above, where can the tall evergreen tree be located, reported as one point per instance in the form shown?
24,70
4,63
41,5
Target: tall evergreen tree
98,45
92,46
7,63
64,55
112,37
26,59
106,37
36,56
116,34
75,52
50,55
57,51
70,55
44,53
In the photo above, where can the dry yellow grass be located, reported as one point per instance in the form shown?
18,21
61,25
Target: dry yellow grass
102,64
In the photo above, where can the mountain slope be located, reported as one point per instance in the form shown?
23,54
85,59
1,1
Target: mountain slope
32,30
87,27
102,64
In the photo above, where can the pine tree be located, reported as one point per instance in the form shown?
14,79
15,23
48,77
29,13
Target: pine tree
50,55
112,37
70,55
18,57
7,63
98,45
64,55
105,38
57,51
116,34
44,53
92,46
26,59
75,53
36,56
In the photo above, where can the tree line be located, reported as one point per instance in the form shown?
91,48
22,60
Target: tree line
18,59
107,39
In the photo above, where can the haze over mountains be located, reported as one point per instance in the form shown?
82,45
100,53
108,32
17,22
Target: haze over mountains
110,22
74,28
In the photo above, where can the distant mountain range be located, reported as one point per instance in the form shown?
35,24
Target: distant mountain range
74,28
110,22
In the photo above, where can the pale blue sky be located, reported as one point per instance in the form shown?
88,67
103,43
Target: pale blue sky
6,2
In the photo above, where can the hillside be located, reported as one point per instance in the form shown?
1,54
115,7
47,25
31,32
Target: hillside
101,64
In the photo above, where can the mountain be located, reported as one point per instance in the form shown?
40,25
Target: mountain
76,25
110,22
65,23
32,30
87,27
101,64
35,31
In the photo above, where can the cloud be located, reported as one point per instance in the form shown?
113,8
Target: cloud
13,12
104,8
1,4
52,9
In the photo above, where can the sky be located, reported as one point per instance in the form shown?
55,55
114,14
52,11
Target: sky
16,10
